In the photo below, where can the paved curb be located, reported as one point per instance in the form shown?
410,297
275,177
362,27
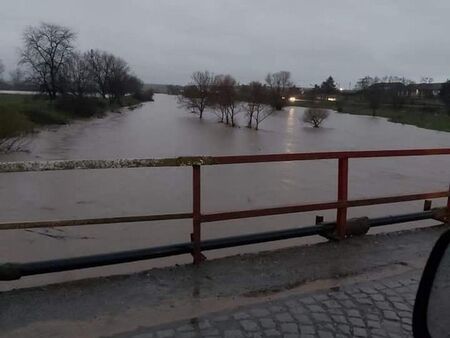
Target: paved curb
382,308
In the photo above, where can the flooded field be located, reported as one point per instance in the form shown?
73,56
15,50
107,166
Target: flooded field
161,129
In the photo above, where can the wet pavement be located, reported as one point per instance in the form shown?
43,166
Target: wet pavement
381,308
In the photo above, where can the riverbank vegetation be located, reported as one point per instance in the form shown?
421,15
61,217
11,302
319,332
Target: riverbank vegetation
68,84
420,115
426,105
393,101
23,114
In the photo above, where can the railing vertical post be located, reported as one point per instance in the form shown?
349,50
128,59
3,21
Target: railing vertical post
448,206
196,214
341,217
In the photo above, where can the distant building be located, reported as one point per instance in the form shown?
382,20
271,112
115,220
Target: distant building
397,88
424,90
419,90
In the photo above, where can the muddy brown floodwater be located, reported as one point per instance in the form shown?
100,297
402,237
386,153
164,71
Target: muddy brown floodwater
161,129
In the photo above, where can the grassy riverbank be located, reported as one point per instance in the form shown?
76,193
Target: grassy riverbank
433,117
22,114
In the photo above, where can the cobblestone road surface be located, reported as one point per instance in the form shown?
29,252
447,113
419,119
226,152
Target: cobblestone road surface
380,308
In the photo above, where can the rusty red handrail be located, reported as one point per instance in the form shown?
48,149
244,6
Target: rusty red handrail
328,155
33,166
342,203
224,216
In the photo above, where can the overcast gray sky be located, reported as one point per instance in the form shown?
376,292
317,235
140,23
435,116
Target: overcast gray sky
166,40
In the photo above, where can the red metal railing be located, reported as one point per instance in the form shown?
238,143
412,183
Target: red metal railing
341,204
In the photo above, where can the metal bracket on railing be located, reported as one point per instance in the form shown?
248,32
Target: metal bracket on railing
354,227
441,215
9,271
201,257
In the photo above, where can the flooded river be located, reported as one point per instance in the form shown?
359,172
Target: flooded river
161,129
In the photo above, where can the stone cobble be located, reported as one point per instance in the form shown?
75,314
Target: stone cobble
381,308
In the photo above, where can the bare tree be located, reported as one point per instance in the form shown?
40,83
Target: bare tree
79,76
426,79
279,83
47,50
315,116
256,98
100,63
394,78
224,98
196,95
118,79
110,74
365,82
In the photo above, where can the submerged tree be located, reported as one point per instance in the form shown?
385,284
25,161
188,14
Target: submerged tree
47,51
256,97
315,116
278,83
224,98
196,96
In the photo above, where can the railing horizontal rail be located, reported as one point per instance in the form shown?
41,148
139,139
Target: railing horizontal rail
222,216
12,271
32,166
328,155
92,221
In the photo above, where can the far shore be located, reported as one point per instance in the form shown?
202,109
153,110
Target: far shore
423,116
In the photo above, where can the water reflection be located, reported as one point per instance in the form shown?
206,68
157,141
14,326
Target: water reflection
290,125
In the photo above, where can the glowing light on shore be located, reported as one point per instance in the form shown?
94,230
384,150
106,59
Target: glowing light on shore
292,99
332,99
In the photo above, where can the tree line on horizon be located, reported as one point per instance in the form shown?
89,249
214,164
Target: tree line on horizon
50,64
